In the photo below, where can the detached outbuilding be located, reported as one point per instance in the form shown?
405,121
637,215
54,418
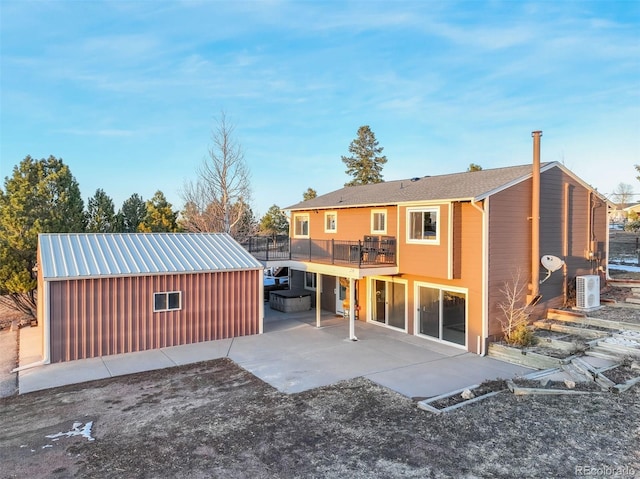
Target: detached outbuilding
103,294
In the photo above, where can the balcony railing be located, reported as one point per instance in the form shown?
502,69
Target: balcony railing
368,252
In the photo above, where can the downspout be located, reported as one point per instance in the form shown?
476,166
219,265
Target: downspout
46,339
261,301
535,221
482,349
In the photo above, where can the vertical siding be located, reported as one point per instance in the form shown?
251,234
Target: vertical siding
509,244
99,317
565,211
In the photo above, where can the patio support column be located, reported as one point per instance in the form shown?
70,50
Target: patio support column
318,298
352,310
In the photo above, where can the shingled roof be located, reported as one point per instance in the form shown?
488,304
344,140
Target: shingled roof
474,185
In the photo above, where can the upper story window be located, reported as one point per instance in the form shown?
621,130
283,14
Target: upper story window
169,301
422,225
330,222
379,221
301,226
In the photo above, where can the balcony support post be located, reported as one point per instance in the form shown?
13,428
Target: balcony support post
352,310
318,298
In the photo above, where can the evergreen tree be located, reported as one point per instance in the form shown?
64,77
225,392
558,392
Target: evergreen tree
160,217
309,194
41,196
274,222
365,163
101,216
474,167
132,214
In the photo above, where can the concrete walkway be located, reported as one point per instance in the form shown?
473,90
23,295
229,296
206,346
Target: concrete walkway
293,355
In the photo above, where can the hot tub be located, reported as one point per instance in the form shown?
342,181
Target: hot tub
290,301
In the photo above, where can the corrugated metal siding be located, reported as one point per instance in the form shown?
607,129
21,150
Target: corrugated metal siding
92,255
99,317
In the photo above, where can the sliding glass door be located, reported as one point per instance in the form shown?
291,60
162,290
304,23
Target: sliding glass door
442,314
388,303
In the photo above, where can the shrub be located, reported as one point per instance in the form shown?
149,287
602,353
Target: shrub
516,312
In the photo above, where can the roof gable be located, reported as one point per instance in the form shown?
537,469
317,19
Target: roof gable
83,255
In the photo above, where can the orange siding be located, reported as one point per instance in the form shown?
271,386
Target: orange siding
99,317
352,223
425,259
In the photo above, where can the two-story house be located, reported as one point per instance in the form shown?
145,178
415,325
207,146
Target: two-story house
430,255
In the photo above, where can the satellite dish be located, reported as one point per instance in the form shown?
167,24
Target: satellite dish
551,263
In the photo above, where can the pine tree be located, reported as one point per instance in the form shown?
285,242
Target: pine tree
309,194
274,222
132,213
160,216
101,216
41,196
365,163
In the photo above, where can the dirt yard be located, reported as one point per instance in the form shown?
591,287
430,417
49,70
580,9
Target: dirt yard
214,419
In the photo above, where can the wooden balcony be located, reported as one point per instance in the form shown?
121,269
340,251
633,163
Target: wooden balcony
372,251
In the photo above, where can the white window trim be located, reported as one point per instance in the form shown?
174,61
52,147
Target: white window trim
167,293
442,287
314,276
417,209
386,217
303,215
370,300
335,229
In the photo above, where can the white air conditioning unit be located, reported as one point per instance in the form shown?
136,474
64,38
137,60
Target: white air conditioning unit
588,292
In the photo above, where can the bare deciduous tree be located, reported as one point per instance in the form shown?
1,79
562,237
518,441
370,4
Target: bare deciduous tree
217,201
516,311
623,195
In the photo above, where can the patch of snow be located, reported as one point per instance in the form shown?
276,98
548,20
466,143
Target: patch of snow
630,334
624,267
630,343
75,431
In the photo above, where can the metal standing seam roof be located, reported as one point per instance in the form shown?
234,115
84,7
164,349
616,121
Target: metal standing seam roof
85,255
457,186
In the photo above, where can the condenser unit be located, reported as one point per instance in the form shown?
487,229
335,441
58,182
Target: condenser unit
588,292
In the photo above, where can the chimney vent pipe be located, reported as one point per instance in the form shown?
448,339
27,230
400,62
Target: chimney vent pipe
535,217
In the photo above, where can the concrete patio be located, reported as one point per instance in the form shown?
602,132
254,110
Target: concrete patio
292,355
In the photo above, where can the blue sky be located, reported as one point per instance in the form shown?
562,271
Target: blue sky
127,93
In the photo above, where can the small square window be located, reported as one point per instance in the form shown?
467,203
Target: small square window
301,226
422,225
170,301
379,221
330,222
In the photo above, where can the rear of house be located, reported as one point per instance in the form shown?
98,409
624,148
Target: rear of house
429,256
104,294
